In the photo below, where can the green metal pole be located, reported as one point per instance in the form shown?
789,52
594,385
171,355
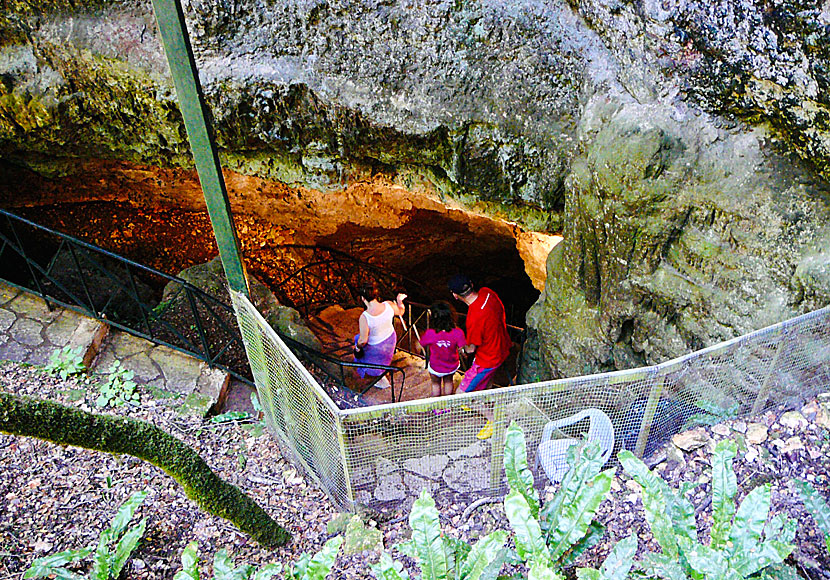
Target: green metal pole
170,18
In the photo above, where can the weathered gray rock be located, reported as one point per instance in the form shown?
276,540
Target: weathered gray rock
416,484
384,466
468,475
756,433
690,440
794,420
476,449
390,487
657,132
210,278
429,466
665,251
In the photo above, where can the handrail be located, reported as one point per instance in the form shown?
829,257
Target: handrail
147,322
517,335
140,319
335,283
151,321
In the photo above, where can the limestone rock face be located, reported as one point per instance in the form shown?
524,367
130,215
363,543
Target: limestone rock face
745,58
463,95
680,236
664,140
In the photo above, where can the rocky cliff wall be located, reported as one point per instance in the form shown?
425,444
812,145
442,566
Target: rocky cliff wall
679,146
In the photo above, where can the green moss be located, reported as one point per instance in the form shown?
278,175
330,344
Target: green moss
39,7
195,404
22,113
271,165
104,112
68,426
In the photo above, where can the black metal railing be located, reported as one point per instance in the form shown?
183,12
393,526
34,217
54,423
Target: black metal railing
329,276
170,311
333,277
148,303
127,295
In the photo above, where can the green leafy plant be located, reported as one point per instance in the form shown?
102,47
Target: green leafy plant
439,557
159,309
249,423
553,536
230,417
66,362
565,530
118,388
114,547
817,507
711,413
256,404
743,542
307,567
616,566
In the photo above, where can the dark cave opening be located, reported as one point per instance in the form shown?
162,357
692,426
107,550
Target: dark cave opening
424,252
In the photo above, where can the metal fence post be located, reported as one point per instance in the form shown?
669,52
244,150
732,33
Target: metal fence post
648,416
174,36
763,391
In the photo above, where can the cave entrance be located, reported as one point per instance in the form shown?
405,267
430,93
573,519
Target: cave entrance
424,252
422,245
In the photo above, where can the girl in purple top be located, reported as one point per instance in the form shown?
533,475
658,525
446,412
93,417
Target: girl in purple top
444,339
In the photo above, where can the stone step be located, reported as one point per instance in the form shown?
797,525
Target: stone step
30,333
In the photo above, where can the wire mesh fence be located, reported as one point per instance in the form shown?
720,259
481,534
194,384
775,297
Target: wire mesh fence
383,456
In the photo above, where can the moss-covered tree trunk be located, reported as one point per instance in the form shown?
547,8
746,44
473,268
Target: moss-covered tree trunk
68,426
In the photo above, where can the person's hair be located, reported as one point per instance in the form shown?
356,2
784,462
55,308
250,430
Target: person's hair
442,316
369,290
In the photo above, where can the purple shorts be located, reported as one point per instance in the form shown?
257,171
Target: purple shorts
477,378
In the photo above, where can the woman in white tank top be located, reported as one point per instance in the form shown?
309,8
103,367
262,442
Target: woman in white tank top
376,339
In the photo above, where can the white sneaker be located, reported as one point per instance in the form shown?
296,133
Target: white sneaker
383,383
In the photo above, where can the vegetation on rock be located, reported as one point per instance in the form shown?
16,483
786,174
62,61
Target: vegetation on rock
68,426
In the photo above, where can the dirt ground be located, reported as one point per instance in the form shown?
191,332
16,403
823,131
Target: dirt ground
54,498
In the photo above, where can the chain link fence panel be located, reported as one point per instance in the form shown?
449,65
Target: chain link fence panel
381,457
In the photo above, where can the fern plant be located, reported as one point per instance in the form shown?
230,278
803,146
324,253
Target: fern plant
565,529
743,542
439,557
817,507
553,536
316,567
109,556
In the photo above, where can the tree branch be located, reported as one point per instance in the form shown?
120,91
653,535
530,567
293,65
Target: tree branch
57,423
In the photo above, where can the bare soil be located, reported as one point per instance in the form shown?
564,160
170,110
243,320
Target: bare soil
54,498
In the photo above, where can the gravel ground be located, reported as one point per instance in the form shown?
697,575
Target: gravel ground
54,498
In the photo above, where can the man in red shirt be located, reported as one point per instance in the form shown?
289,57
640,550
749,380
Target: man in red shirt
486,333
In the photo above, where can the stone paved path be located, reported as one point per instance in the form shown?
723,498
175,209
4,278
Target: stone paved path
30,332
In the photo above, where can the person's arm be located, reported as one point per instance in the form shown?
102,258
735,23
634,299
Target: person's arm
461,340
397,306
426,340
363,327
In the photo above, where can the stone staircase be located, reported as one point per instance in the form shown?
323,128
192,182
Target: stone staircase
336,327
30,332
